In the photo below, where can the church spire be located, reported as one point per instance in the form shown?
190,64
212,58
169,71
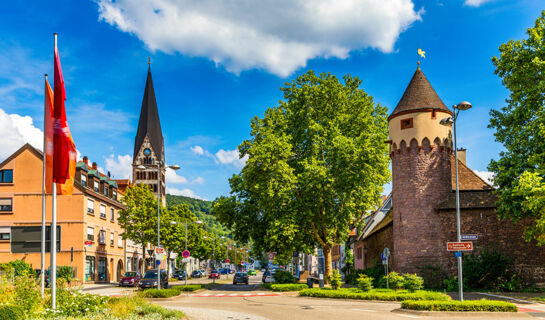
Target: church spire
149,124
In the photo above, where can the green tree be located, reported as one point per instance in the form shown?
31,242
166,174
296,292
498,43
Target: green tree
139,217
316,164
520,127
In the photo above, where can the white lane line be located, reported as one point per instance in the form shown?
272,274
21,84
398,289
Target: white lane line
206,294
408,316
247,294
261,294
364,310
500,296
233,294
220,294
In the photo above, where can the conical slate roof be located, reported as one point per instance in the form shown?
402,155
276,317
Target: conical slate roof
149,124
419,95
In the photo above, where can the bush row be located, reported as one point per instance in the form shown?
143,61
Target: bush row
171,292
454,305
287,287
385,295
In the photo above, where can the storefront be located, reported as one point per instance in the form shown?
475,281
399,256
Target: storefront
89,268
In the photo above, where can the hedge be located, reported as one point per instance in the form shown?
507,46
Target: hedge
9,312
171,292
454,305
288,287
189,287
385,295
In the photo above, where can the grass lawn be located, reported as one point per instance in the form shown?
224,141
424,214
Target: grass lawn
455,305
375,294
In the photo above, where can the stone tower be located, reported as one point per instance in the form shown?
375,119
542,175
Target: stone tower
148,145
420,151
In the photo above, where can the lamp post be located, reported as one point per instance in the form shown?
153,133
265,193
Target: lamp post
195,222
462,106
159,166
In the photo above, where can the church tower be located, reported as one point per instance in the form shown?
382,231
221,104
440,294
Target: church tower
149,149
421,174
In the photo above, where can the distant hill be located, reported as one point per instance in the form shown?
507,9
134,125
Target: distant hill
201,208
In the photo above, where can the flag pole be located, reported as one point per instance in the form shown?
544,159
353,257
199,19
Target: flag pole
53,252
42,273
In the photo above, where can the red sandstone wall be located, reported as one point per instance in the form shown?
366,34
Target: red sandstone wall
421,180
374,245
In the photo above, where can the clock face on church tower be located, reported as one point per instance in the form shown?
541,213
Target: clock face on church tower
147,152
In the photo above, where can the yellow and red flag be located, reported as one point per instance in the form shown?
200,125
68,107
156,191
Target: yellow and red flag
48,132
64,150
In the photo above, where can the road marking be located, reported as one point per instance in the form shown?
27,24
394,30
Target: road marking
233,294
408,316
206,294
500,296
261,293
365,310
220,294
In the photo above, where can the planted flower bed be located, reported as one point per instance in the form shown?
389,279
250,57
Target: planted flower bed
286,287
376,294
454,305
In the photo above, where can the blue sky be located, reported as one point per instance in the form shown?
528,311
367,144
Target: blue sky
216,65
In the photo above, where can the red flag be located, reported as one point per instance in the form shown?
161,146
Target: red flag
64,150
48,132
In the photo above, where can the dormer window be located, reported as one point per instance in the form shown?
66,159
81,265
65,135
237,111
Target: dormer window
406,123
83,180
106,190
96,187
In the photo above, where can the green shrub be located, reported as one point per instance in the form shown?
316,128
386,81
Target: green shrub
189,287
412,282
381,294
377,273
27,294
17,268
486,270
335,279
453,305
64,272
73,303
8,312
365,283
267,286
288,287
150,309
160,293
433,276
395,280
281,276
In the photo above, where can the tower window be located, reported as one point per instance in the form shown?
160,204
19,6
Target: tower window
406,123
433,115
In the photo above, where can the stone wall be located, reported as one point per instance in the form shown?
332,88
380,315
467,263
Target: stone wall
527,258
373,246
421,180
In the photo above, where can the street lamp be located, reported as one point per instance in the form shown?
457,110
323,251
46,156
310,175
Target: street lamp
159,166
462,106
195,222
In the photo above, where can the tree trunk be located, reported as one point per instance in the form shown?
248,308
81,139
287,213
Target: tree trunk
143,260
327,263
168,263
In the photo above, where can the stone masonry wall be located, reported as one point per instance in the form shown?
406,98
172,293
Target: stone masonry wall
374,245
527,258
421,180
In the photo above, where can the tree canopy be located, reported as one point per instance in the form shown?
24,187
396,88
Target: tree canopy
520,127
316,164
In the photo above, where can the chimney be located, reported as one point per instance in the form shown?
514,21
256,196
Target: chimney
94,166
86,160
461,155
109,175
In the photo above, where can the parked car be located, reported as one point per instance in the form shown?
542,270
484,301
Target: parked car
224,271
214,274
231,271
240,277
150,279
129,279
196,274
203,272
252,272
179,274
267,277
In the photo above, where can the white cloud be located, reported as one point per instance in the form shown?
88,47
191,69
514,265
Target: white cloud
15,131
120,167
486,176
183,192
198,180
231,157
173,177
278,36
197,150
475,3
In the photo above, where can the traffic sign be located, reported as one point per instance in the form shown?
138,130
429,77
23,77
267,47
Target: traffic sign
159,256
460,246
469,236
271,255
186,254
242,263
88,243
385,253
457,254
159,250
185,260
227,260
158,262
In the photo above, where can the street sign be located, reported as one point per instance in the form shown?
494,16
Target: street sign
457,254
227,260
185,260
385,253
469,236
460,246
270,264
242,263
271,255
159,256
186,254
159,250
158,262
88,243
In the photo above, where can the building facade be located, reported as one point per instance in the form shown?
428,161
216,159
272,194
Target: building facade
89,235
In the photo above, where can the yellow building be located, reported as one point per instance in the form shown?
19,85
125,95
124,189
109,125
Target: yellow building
89,236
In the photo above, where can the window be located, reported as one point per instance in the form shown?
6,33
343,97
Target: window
6,176
114,195
96,186
433,114
105,190
112,214
102,237
155,188
90,206
6,204
406,123
359,253
90,233
103,211
28,239
4,233
120,241
83,180
89,268
112,239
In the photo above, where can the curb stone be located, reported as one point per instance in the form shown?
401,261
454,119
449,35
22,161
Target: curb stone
493,315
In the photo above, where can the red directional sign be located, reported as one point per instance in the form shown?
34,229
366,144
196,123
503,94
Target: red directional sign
159,250
460,246
88,243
